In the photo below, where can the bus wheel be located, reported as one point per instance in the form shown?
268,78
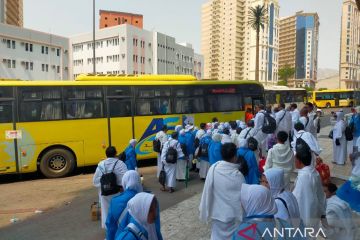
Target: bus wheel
57,163
328,105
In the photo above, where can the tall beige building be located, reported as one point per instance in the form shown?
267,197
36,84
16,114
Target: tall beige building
11,12
350,46
299,40
228,43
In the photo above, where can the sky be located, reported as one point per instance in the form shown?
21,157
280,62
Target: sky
178,18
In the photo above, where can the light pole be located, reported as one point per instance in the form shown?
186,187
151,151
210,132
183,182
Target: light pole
94,64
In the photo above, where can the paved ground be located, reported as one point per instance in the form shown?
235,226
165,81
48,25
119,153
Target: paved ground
66,204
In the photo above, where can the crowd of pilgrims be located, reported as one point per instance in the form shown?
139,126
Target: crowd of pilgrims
247,173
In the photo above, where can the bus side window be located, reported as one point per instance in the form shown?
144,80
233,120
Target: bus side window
153,101
189,105
84,103
6,112
40,104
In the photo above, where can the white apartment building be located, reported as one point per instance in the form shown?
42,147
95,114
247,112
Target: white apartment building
126,49
350,46
198,66
31,55
228,43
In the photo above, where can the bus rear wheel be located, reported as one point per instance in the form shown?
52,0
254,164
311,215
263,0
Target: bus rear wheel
57,163
328,105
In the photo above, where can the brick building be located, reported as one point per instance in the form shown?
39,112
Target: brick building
112,18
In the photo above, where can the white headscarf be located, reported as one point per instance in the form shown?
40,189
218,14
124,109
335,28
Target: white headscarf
275,177
339,116
131,180
133,142
226,125
217,137
178,128
257,200
182,132
208,132
139,207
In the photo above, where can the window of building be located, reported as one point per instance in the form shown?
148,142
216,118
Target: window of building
58,52
27,47
42,49
58,69
27,65
47,50
13,63
8,43
31,66
31,47
13,44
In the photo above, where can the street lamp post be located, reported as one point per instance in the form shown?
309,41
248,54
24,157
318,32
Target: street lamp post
94,63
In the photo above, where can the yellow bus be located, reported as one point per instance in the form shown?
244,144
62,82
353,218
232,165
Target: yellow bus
55,126
333,98
283,94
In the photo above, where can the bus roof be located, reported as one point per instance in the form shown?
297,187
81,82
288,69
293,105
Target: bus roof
161,80
334,90
284,88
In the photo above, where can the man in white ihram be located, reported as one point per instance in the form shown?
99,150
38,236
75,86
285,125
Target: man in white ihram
220,201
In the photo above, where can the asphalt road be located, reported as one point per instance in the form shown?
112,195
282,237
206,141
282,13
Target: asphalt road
72,220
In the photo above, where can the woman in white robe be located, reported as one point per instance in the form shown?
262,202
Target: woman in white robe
170,168
288,208
339,140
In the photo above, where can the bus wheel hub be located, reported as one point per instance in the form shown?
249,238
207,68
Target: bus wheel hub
57,162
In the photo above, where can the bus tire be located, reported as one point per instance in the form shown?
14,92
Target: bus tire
57,163
328,105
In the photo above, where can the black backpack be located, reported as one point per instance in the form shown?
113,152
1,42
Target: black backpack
244,167
108,183
349,134
204,150
301,145
269,125
252,144
183,148
157,145
122,156
171,155
196,143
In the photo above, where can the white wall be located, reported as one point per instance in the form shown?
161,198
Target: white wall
156,53
13,43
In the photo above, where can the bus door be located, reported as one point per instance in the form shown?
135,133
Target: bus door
120,121
8,133
251,102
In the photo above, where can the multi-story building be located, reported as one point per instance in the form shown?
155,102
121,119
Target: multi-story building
31,55
126,49
229,43
112,18
299,40
198,66
11,12
350,46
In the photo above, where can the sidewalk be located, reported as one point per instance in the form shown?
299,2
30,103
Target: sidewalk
181,222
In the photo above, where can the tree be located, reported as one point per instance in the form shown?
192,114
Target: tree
285,73
257,20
